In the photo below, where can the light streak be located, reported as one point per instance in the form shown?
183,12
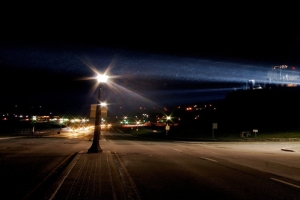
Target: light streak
130,97
136,67
180,68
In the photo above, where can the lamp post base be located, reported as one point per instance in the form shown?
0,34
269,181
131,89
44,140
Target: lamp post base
94,149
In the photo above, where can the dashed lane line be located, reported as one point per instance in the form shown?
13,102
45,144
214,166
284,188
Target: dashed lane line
176,150
212,160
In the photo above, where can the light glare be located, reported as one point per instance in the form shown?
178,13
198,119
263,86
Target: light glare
102,78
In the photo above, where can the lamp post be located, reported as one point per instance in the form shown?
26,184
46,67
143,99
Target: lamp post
95,148
167,124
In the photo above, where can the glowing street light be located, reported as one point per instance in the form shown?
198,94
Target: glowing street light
167,124
95,148
102,78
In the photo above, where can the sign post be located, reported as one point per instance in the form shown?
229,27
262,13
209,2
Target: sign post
167,129
255,131
214,126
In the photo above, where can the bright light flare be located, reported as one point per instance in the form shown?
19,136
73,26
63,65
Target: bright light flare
103,104
102,78
130,96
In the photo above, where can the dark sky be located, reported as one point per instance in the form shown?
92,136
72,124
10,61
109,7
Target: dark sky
155,60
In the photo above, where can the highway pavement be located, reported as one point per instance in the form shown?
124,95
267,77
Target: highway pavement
129,167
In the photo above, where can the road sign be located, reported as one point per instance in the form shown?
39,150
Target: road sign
93,111
167,127
215,125
255,131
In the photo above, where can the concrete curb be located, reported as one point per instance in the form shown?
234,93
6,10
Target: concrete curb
41,186
68,165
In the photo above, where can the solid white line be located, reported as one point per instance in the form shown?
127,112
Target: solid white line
287,183
209,159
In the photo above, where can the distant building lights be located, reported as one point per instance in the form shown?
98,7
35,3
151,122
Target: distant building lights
280,67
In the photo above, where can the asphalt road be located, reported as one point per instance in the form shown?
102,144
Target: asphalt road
26,161
209,170
162,169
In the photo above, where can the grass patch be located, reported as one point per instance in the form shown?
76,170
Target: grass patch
157,132
294,134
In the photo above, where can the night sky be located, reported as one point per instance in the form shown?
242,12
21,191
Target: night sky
153,61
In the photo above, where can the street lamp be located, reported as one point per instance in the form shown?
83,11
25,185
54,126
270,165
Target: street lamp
167,124
95,148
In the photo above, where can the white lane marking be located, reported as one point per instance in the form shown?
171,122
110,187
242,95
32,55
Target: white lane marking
176,150
287,183
209,159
